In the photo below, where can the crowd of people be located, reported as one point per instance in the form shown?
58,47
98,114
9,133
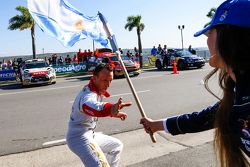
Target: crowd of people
9,64
79,57
161,51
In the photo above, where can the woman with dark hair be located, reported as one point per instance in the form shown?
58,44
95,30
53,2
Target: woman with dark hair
228,42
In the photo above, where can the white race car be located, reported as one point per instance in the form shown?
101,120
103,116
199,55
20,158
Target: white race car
37,71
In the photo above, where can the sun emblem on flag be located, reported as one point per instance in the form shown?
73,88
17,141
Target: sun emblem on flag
79,25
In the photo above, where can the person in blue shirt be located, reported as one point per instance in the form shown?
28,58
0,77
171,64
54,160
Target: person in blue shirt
153,51
228,37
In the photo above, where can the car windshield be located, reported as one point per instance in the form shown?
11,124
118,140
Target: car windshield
183,53
113,58
104,50
36,65
125,58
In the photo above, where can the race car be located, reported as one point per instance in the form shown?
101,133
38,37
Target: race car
133,67
183,58
37,71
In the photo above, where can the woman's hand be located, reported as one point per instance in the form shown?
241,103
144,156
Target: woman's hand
151,126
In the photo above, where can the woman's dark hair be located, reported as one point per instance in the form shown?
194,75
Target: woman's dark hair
100,67
233,44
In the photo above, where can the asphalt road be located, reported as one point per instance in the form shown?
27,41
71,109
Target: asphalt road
30,117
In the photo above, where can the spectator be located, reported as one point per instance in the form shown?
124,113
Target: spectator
89,53
136,52
67,60
60,61
153,51
54,59
159,49
1,65
165,56
50,60
46,59
85,56
75,59
165,50
191,50
129,55
120,49
80,56
9,65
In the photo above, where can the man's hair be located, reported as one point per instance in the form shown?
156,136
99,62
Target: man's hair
101,67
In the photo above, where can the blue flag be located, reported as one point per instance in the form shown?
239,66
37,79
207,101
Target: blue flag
61,20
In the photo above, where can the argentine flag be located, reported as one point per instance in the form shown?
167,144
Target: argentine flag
61,20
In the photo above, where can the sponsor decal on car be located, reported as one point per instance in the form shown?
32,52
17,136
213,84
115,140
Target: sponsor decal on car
38,73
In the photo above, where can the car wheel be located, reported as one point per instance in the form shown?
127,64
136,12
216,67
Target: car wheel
181,65
136,74
158,65
54,82
24,86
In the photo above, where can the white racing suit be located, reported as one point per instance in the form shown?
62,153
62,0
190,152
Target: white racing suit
94,149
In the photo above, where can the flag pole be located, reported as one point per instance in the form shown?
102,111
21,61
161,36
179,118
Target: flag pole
114,46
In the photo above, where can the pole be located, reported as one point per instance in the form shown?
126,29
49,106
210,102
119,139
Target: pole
93,46
138,102
115,49
181,28
181,39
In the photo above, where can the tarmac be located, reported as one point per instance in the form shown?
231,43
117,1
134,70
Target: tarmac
182,150
187,150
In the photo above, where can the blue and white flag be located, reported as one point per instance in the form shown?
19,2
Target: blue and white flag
61,20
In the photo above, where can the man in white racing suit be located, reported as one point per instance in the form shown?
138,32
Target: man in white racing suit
95,149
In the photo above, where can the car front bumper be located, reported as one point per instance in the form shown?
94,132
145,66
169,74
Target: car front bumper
39,79
196,64
131,71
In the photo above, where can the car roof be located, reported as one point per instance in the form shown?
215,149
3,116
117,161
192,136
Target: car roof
34,60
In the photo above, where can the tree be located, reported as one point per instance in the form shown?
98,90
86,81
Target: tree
135,22
210,14
22,22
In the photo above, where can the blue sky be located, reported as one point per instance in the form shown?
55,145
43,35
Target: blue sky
161,19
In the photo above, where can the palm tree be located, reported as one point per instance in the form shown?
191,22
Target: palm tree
210,14
22,22
135,22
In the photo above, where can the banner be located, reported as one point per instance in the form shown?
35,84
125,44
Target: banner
70,69
7,75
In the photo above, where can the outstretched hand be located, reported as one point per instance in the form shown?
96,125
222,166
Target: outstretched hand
116,109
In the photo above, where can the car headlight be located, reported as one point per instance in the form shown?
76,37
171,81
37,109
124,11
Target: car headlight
51,71
189,60
26,74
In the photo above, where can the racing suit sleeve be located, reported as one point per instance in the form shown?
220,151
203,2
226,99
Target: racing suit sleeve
192,123
92,107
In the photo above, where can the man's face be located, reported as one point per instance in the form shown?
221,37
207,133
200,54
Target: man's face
103,80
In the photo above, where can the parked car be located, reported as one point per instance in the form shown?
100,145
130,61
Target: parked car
37,71
183,58
133,67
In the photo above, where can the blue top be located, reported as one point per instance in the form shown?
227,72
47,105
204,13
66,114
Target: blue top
153,51
239,120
